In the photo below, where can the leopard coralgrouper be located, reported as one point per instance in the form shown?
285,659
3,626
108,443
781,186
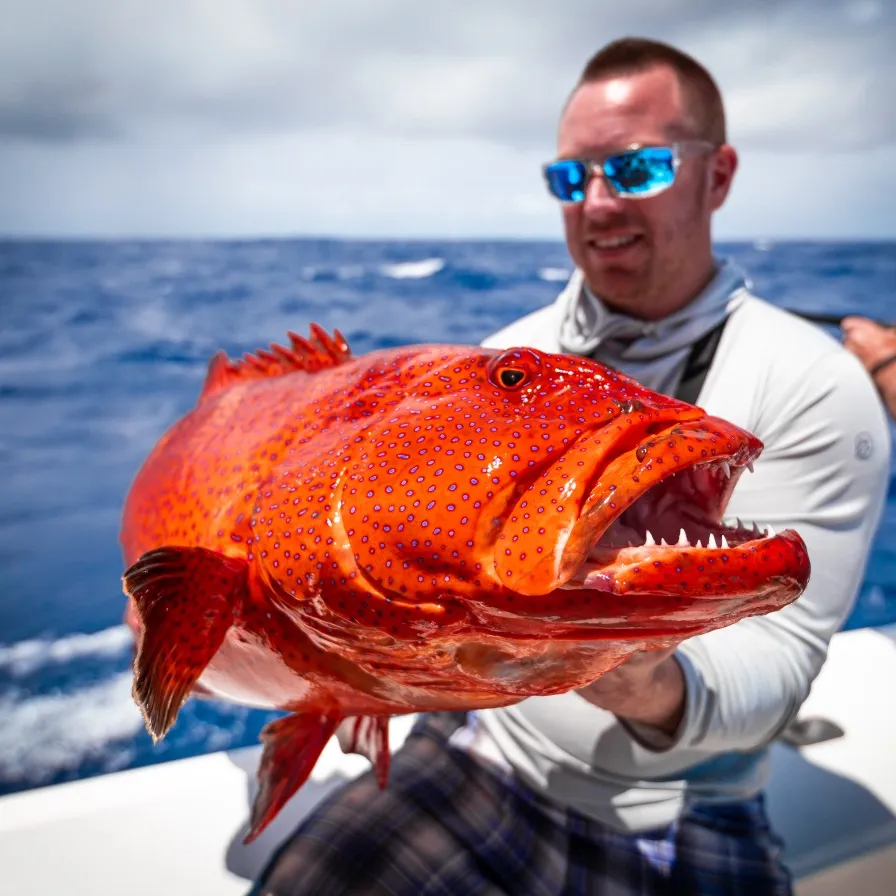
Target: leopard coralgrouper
431,527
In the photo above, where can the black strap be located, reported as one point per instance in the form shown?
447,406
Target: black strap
699,361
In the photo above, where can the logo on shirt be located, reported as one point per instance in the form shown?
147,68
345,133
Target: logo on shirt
864,445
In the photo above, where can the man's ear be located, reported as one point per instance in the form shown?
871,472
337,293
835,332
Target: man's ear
721,175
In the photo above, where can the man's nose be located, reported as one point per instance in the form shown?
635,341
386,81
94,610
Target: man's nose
599,197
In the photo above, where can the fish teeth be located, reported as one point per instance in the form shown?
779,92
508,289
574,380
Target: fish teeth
725,467
699,544
649,539
683,539
750,466
724,543
711,541
770,532
664,543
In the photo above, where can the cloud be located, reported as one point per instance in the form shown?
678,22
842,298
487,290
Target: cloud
114,68
802,72
259,115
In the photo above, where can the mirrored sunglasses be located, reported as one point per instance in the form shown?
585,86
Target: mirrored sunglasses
637,173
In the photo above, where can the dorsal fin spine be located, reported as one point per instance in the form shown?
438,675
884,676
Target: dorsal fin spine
320,352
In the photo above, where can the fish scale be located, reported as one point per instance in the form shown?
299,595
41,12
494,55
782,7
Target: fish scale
423,528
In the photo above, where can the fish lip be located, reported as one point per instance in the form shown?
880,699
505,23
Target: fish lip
642,555
619,609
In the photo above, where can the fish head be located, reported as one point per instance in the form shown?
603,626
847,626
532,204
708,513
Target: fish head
518,488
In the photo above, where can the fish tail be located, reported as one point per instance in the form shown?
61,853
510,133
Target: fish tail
184,599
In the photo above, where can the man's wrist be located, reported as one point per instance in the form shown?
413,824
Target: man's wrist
666,709
656,699
884,376
881,365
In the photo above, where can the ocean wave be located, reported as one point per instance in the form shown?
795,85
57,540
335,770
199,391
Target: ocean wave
154,320
413,270
553,275
24,657
350,272
42,736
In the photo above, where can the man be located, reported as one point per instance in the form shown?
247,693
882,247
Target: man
875,346
649,780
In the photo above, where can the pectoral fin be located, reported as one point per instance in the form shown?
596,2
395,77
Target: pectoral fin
184,600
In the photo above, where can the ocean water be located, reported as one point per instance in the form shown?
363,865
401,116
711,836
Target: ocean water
104,344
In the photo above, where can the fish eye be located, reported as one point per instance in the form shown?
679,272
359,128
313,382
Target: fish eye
513,369
511,377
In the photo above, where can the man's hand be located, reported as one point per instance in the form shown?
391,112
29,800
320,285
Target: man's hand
648,687
875,346
868,340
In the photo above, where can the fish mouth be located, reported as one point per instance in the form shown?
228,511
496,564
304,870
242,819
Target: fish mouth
669,494
652,551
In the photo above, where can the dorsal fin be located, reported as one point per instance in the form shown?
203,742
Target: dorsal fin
318,352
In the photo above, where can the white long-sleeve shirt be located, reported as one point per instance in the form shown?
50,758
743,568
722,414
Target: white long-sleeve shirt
824,472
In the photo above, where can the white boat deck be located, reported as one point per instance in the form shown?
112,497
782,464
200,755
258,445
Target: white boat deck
177,828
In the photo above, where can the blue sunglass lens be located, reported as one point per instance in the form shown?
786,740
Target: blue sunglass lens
641,171
567,180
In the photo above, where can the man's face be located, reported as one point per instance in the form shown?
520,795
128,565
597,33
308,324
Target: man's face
645,257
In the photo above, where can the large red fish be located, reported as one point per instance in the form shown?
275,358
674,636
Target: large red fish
425,528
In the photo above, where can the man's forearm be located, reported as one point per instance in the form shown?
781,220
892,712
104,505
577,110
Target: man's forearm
647,689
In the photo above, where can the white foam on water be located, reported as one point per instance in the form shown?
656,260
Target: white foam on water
154,320
553,275
44,735
24,657
413,270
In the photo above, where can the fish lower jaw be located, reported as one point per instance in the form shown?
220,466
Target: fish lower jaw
770,567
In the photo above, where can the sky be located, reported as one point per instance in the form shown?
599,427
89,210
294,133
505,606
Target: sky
404,118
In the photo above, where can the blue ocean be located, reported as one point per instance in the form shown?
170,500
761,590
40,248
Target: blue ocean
104,344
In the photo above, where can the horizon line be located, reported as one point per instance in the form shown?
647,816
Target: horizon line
391,238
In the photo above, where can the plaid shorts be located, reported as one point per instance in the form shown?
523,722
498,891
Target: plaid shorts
447,826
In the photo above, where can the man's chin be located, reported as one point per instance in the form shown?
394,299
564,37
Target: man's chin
622,290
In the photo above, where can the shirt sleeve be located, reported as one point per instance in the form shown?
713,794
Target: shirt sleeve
824,472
